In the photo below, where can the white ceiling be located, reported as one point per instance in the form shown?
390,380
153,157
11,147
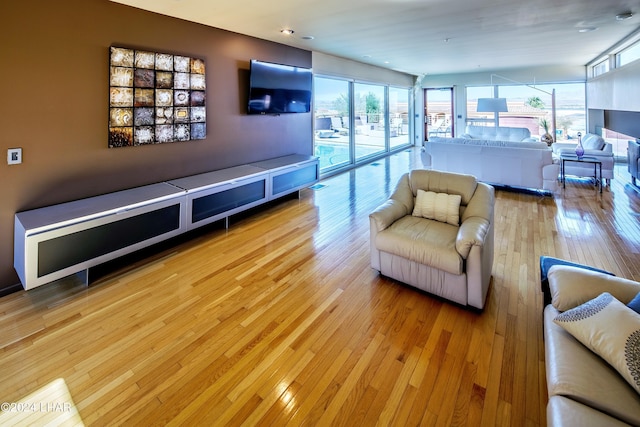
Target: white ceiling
424,36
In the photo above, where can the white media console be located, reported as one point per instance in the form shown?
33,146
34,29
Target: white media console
57,241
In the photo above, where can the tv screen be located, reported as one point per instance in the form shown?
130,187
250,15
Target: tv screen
278,89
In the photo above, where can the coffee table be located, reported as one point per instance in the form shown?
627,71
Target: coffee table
597,167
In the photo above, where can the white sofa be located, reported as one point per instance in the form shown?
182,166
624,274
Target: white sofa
500,133
594,146
527,165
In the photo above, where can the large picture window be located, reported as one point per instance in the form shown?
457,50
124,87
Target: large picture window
531,107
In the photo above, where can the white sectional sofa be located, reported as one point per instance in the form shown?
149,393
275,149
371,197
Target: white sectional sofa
500,133
527,165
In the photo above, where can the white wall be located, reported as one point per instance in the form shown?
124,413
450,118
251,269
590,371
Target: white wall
619,89
329,65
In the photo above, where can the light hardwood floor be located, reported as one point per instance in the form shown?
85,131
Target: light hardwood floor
279,320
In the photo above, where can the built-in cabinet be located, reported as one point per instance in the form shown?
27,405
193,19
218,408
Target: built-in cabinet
56,241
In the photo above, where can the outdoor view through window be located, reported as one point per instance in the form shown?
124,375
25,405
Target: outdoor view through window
379,122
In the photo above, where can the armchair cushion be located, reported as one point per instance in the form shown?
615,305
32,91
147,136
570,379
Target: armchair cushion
423,241
439,206
443,182
592,142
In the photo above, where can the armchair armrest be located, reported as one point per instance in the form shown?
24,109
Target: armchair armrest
598,153
472,232
387,213
571,286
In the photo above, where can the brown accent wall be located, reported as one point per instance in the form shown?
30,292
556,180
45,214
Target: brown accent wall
54,104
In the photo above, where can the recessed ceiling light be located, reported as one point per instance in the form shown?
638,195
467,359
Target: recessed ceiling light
587,29
287,31
307,37
623,16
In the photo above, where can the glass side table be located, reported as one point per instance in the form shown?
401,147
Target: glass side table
597,167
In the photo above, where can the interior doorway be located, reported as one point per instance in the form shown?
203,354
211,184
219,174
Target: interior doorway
438,112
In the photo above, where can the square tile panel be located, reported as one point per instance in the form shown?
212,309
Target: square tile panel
155,97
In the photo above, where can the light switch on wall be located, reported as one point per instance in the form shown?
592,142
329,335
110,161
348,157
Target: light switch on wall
14,156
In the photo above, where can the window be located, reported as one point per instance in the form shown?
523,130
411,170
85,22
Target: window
628,55
369,118
600,68
530,107
473,117
331,122
398,117
358,121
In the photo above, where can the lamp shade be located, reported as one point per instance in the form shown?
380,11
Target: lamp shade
492,105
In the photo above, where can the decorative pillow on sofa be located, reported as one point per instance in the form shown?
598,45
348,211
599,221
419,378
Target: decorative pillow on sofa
611,330
439,206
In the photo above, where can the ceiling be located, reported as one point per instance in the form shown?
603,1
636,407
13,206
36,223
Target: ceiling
424,36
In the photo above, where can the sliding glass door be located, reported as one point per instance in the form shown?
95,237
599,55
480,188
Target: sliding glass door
398,117
331,122
438,112
358,121
370,119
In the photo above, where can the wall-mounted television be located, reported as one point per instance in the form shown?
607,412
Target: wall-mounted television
279,89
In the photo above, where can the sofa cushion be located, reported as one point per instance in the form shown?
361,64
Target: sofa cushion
567,364
500,133
571,286
611,330
591,141
563,412
423,241
439,206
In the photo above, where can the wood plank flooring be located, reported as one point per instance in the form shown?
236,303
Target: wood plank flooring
279,320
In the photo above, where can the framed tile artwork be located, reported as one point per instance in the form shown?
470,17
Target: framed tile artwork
155,98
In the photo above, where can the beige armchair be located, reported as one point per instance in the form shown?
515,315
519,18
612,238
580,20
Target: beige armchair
441,256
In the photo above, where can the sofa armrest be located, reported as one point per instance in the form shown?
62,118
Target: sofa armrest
387,213
472,232
572,286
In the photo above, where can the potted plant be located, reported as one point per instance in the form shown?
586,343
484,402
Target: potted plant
547,138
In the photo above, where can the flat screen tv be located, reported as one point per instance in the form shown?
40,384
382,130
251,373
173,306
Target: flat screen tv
279,89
